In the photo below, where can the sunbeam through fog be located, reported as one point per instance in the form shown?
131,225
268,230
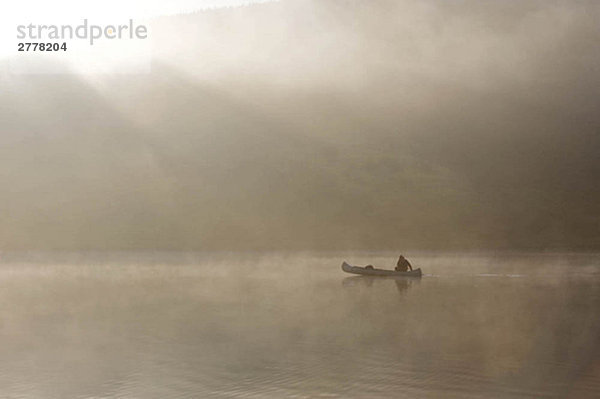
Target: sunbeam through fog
181,182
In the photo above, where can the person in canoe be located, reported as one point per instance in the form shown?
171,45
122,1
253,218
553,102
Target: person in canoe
403,264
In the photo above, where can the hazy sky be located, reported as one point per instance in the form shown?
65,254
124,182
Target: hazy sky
108,11
319,124
130,8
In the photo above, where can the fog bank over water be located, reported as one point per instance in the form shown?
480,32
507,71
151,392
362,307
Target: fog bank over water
190,325
319,125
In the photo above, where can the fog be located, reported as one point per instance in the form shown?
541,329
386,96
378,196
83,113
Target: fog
318,125
154,325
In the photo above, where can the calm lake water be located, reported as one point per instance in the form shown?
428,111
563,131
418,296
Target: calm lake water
188,325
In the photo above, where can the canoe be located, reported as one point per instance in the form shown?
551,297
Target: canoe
379,272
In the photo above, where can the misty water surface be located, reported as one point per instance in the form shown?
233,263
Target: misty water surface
187,325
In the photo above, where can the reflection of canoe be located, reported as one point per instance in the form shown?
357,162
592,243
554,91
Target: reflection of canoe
378,272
